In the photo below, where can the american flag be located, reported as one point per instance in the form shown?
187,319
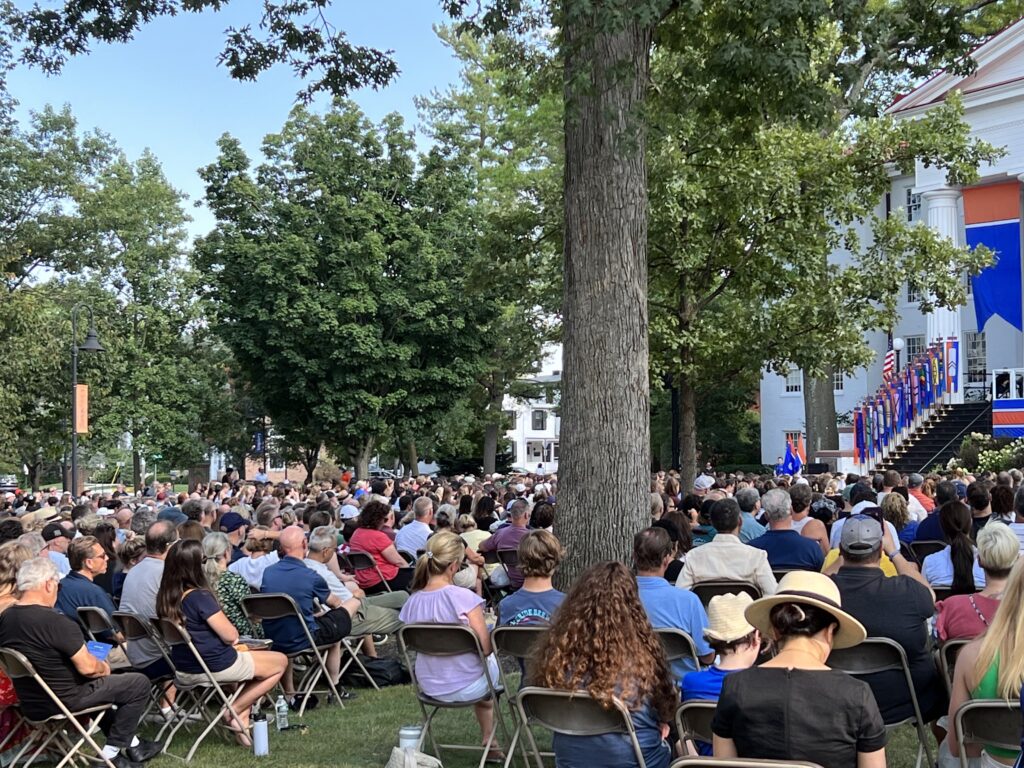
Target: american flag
889,366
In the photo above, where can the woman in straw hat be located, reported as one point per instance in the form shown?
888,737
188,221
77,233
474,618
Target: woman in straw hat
735,643
771,711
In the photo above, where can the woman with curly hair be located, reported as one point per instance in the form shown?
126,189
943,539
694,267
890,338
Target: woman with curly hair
371,539
601,642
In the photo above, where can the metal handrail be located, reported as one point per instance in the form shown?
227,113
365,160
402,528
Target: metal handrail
960,434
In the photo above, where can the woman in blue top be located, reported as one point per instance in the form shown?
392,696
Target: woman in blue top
735,643
185,598
601,642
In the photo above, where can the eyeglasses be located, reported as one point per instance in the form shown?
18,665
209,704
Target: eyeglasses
102,554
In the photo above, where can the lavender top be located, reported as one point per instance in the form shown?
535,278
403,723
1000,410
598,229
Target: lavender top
440,676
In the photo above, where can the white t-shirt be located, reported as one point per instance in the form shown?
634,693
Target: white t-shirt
337,587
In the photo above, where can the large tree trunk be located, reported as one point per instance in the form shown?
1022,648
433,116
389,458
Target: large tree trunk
359,456
820,415
410,457
492,428
687,433
137,480
310,458
605,388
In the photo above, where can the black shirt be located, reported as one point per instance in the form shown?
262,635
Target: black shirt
774,713
48,640
896,607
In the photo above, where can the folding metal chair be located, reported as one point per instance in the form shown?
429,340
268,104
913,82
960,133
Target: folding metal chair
705,590
941,593
509,558
450,640
573,713
678,645
778,573
56,731
948,652
519,643
363,561
278,605
96,622
133,628
737,762
693,720
409,557
987,721
880,654
925,547
199,695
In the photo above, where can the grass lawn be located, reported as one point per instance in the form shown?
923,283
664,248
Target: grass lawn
362,734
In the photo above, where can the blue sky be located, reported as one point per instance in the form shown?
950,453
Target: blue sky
165,91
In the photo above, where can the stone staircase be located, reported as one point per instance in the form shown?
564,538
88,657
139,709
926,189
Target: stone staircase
938,439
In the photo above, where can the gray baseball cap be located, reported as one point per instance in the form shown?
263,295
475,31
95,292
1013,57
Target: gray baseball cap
861,535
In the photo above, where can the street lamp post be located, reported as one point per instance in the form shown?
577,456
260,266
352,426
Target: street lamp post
91,344
897,345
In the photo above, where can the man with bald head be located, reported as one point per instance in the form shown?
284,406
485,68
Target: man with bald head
291,576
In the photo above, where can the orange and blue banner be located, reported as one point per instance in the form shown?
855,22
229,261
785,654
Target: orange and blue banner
992,219
1008,418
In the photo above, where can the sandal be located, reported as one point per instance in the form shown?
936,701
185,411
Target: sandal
495,755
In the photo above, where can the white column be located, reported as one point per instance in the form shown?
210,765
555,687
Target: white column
943,323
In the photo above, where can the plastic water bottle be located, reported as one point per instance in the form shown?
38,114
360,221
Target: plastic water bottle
260,737
282,713
409,736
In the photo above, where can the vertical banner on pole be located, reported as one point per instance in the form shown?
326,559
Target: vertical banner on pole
81,408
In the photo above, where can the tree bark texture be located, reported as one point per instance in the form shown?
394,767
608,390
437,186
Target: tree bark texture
605,389
310,459
820,415
410,458
137,479
359,456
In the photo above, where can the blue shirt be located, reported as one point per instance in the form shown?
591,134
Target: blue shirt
669,606
705,685
522,608
750,529
789,549
76,591
291,576
614,750
929,529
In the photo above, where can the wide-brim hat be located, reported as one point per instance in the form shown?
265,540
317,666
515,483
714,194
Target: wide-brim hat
808,588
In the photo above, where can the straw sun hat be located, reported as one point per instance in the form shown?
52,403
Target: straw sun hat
726,621
808,588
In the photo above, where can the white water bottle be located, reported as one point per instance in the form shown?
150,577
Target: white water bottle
260,737
282,713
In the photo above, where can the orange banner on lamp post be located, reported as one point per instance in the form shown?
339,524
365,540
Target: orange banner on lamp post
81,408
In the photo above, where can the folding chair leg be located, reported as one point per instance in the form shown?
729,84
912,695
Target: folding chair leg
352,651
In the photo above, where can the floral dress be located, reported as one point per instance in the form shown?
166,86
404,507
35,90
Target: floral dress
231,588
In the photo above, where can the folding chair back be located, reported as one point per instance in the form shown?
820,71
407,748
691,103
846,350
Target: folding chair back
363,561
941,593
133,626
778,573
508,557
693,720
922,549
738,762
880,654
272,606
996,722
408,556
574,713
95,621
705,590
948,653
678,645
449,640
51,730
518,642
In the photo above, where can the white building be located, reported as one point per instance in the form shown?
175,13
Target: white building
993,99
535,424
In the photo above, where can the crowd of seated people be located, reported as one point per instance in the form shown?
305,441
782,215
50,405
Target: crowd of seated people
828,556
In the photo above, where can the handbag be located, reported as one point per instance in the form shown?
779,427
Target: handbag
411,758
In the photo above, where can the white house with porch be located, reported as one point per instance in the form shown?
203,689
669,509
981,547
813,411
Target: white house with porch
988,212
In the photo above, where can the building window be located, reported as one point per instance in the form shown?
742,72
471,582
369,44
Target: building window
913,295
539,420
913,205
510,418
914,347
791,438
838,381
976,358
511,452
554,451
795,381
967,282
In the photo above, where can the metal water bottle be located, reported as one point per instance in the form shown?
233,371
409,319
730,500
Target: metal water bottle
260,736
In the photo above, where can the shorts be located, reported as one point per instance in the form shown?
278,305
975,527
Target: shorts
332,627
243,670
478,688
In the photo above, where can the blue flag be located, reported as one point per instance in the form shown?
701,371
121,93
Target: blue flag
791,462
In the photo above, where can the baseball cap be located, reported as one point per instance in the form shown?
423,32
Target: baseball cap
703,482
232,521
861,535
173,514
55,531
